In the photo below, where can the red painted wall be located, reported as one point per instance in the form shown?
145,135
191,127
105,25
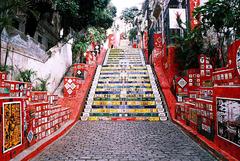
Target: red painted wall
226,92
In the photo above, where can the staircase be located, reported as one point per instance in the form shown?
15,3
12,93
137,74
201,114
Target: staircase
124,88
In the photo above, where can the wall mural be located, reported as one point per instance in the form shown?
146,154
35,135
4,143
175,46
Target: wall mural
12,125
228,117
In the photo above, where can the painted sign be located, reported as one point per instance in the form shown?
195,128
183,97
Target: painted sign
193,4
12,125
228,119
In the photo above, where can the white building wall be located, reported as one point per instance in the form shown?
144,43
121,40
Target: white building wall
55,65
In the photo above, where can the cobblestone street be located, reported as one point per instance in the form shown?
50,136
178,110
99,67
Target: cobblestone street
102,140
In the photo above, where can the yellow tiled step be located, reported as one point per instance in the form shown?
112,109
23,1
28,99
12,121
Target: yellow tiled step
91,118
124,110
130,103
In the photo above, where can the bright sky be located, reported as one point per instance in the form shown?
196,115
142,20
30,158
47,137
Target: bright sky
122,4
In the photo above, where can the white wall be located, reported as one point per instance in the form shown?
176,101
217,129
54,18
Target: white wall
55,65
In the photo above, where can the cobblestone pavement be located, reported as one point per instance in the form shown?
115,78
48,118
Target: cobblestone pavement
125,141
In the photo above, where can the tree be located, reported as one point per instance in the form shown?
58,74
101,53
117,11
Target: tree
223,17
97,35
80,14
129,14
8,10
38,10
132,34
79,47
69,13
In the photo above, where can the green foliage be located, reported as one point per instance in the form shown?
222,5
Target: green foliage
82,41
223,17
97,34
8,9
132,34
67,7
129,14
188,48
80,46
43,83
84,13
112,10
26,75
102,18
6,68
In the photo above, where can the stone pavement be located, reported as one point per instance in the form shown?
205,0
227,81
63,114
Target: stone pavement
124,140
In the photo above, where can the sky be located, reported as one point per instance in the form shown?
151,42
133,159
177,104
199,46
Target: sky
122,4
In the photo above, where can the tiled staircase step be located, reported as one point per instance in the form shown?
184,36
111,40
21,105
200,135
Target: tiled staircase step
122,79
121,88
125,114
128,92
124,99
113,82
118,73
125,85
124,106
122,67
130,103
144,110
124,88
133,76
124,118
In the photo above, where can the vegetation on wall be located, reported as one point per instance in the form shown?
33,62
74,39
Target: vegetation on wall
26,75
81,43
217,17
97,35
6,68
41,84
188,48
222,17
